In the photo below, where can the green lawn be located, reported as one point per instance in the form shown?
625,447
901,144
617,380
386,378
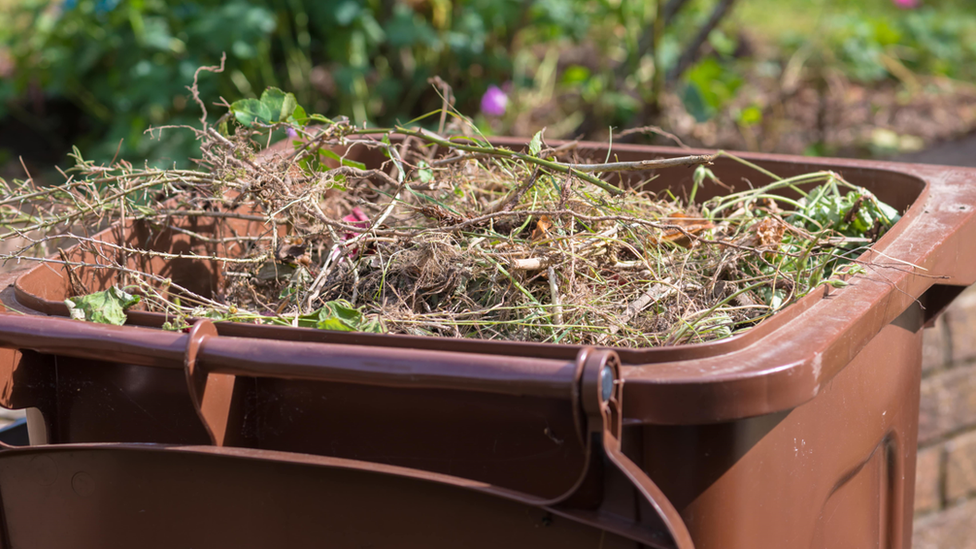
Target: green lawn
776,19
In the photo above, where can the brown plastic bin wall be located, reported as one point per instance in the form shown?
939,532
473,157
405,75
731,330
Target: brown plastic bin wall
798,433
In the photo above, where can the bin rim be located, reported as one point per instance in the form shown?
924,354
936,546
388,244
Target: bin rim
28,296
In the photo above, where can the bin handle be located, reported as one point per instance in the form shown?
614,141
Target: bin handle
596,397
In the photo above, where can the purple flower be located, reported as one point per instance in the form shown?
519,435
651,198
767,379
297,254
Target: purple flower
494,101
291,132
907,4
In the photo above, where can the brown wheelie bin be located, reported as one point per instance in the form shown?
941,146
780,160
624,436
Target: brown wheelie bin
800,432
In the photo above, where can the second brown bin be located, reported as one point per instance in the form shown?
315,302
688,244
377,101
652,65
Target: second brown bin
799,433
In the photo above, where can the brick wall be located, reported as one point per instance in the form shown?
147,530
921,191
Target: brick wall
945,482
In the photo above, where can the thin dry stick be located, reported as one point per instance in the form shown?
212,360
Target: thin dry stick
644,165
195,91
657,292
555,296
75,285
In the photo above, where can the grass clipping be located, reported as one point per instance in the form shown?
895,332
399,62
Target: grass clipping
453,237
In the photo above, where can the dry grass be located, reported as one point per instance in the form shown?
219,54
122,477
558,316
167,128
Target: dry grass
456,238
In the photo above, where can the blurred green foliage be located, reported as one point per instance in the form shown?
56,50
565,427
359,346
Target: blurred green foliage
126,64
870,48
575,66
710,85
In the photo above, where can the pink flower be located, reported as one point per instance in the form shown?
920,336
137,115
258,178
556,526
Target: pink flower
357,219
907,4
494,101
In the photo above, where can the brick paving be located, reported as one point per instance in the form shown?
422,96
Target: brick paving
945,483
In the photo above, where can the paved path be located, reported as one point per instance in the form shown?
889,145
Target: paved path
953,153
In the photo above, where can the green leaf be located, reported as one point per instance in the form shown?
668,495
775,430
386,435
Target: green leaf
335,325
280,104
535,146
424,172
575,75
750,116
345,12
299,116
694,102
374,326
344,310
106,307
851,269
274,106
203,312
309,320
249,111
329,153
339,183
701,172
891,215
710,85
339,316
144,210
175,325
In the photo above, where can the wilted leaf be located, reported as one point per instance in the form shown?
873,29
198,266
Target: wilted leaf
535,146
688,226
542,227
290,249
273,270
106,307
424,172
770,232
299,280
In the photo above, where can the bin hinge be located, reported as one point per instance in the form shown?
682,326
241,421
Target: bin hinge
601,401
210,392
